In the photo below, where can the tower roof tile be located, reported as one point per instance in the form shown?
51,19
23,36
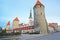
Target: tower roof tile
38,3
16,19
8,23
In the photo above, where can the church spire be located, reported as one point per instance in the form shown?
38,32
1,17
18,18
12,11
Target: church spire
30,14
30,19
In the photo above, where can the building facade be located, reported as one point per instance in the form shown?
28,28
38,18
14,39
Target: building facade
59,28
54,26
51,28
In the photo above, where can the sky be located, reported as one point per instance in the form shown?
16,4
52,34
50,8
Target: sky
10,9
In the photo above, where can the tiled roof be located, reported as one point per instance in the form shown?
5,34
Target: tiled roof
38,3
52,25
25,28
8,23
16,19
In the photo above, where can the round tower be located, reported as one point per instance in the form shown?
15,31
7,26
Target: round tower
8,25
39,18
15,23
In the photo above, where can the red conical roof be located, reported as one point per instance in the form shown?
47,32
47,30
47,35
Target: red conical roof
8,23
16,19
38,3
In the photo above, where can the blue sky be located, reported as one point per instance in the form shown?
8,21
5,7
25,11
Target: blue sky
9,9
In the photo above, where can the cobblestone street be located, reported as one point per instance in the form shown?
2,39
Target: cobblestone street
54,36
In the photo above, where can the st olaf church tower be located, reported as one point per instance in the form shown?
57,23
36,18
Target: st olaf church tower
30,19
40,22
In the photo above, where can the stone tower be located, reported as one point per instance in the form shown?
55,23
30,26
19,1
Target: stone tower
40,22
8,25
15,23
30,19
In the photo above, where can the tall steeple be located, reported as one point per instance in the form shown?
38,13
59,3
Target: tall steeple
30,19
30,14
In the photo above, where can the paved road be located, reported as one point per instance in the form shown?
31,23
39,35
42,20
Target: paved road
54,36
21,37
